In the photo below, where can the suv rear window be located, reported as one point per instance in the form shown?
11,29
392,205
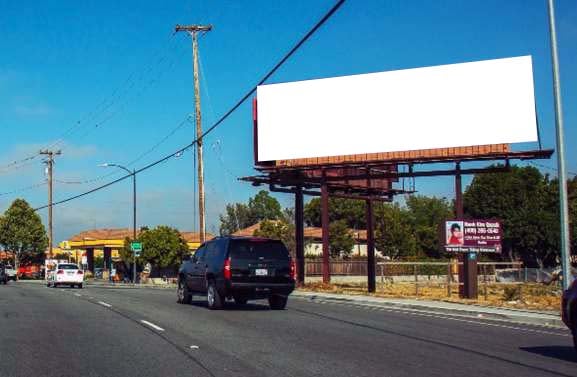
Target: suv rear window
253,249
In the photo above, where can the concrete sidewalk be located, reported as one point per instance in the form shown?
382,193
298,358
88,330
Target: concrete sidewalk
551,319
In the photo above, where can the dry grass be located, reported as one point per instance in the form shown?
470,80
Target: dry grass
520,296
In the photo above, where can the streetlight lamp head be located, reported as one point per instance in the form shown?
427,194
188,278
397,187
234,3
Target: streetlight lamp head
104,165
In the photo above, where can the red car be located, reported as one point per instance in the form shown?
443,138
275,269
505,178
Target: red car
569,310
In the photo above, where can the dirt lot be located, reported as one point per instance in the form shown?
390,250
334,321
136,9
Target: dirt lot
521,296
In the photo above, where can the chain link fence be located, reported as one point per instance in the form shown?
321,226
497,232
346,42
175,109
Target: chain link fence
428,273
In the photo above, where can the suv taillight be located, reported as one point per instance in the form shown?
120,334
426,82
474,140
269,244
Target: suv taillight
80,272
293,269
227,271
60,272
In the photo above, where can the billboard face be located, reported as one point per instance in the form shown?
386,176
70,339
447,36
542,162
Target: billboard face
448,106
473,236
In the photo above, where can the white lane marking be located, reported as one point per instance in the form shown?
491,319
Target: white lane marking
451,317
193,347
488,324
77,295
104,304
152,325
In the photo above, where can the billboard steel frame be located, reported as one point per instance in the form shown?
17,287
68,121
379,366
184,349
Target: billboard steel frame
342,180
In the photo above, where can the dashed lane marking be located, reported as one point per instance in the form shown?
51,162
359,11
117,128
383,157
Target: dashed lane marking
104,304
457,318
150,324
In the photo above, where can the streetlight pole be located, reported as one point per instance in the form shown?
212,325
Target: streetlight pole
133,173
563,210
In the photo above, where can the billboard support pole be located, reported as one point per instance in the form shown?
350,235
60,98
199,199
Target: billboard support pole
325,226
468,270
563,210
458,192
299,236
459,215
371,283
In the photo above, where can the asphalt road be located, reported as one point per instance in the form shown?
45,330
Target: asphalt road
144,332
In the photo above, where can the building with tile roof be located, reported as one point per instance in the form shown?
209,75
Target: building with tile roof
314,236
107,242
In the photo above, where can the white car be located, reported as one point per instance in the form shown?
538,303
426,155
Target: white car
65,274
11,272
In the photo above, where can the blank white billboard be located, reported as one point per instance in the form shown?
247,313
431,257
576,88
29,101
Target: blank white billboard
456,105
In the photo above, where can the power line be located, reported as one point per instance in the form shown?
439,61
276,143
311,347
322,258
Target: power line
109,102
17,162
122,105
132,81
22,189
536,164
220,120
140,157
17,165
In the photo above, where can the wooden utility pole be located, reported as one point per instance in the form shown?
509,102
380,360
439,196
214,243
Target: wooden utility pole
50,164
193,31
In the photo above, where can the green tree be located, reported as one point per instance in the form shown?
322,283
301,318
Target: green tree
427,216
239,215
351,210
264,207
525,201
236,217
162,247
394,235
126,253
341,239
22,232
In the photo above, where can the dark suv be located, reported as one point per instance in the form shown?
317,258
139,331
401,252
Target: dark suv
239,268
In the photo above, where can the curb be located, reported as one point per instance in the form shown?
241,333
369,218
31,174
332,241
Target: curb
477,312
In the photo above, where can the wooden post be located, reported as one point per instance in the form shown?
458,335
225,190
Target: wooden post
485,280
193,30
416,280
299,237
449,274
325,226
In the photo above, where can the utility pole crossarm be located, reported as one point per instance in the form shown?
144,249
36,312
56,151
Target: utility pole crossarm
192,28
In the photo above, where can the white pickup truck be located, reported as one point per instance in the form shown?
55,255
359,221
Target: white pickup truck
11,272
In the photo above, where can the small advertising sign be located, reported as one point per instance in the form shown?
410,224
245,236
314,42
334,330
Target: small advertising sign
473,236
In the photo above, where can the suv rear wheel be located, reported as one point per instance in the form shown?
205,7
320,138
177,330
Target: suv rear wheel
277,302
183,294
214,299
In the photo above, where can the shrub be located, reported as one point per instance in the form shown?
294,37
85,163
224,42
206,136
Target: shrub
512,293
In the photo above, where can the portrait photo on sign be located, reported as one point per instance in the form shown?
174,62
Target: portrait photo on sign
454,232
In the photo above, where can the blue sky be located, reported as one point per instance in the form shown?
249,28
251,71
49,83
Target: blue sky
114,72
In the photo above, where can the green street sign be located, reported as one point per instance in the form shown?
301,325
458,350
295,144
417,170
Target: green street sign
136,246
